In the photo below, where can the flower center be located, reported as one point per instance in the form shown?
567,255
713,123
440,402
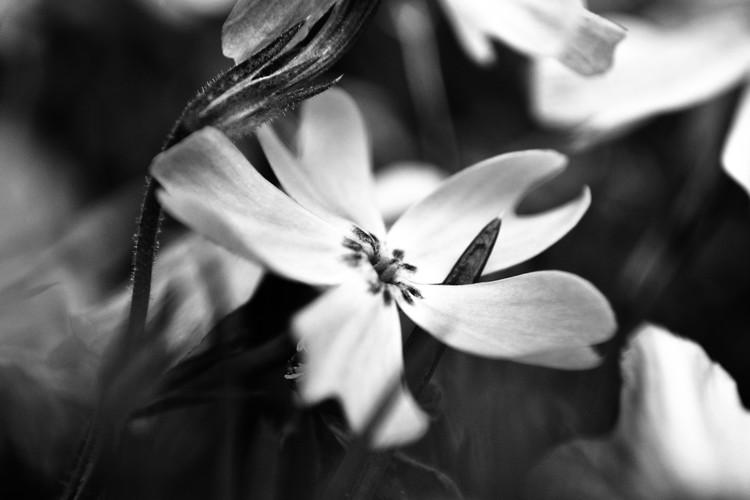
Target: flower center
384,269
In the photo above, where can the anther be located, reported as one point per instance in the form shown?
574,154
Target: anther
352,245
408,298
414,292
387,297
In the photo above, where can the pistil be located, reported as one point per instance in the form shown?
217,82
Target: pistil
387,267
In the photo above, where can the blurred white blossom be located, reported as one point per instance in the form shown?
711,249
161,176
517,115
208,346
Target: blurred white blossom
400,185
678,54
180,11
682,433
47,377
561,29
51,349
330,233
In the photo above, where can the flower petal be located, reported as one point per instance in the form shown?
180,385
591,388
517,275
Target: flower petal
352,345
254,23
658,69
682,433
434,232
211,187
736,156
331,175
515,317
476,44
562,29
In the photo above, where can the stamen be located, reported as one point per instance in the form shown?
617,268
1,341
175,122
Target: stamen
387,297
363,236
353,259
409,267
376,286
352,245
386,268
414,292
375,245
408,298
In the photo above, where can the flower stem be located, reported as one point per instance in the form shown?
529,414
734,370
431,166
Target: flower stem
144,254
86,478
147,243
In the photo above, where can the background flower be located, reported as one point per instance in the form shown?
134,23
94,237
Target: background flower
682,432
676,55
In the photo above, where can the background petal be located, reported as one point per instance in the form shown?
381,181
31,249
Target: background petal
211,187
196,283
331,174
435,231
400,185
254,23
563,29
352,350
474,41
527,314
658,69
736,155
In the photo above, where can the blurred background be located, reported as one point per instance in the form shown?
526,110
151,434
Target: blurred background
89,90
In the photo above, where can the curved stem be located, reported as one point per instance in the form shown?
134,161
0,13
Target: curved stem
146,244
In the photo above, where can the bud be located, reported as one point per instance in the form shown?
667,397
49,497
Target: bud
280,75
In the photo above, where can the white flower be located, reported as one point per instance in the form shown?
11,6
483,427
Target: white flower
561,29
682,433
682,54
328,232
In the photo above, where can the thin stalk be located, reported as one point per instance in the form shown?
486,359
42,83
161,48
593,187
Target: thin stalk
424,76
146,240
